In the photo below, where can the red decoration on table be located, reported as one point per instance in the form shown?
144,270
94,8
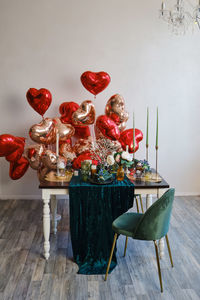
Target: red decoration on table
126,138
95,82
108,127
18,168
39,100
11,147
85,156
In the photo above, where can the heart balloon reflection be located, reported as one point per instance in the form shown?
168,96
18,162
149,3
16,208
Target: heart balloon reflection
44,132
85,114
95,82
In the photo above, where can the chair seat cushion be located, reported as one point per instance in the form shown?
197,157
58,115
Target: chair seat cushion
126,224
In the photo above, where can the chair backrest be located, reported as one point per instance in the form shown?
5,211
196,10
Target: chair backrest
155,222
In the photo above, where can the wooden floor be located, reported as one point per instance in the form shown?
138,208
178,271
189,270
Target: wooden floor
24,274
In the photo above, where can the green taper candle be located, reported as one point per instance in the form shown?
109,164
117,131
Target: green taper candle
147,132
157,130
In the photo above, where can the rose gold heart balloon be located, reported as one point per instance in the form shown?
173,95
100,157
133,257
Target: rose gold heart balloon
42,172
67,151
115,109
83,145
66,131
85,114
49,160
34,153
44,132
122,126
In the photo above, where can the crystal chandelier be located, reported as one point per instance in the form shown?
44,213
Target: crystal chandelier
180,18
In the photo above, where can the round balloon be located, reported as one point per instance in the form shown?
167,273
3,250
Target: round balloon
126,138
95,82
108,127
39,100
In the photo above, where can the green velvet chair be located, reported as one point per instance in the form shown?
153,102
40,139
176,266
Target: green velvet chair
150,226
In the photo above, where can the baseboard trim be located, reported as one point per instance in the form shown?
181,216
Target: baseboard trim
26,197
39,197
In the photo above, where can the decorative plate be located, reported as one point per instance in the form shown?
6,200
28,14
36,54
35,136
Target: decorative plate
108,181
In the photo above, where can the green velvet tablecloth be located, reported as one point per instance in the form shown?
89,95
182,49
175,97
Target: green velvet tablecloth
93,208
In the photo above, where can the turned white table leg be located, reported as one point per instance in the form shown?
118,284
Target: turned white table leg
46,224
54,213
148,201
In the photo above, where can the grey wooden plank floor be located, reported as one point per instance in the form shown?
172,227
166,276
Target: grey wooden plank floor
24,274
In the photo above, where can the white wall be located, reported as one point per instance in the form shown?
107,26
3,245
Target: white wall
50,43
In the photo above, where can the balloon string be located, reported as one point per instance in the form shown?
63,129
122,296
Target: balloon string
95,97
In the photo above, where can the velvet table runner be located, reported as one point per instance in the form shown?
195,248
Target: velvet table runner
93,208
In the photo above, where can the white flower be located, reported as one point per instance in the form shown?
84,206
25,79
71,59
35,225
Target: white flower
126,156
110,160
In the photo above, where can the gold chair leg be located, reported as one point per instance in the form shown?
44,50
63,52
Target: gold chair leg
141,204
137,204
158,264
169,250
125,246
111,254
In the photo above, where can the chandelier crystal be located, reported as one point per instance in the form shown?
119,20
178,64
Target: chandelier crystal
180,18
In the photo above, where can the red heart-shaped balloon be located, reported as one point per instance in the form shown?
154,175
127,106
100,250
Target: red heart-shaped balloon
126,138
85,156
82,131
12,147
18,168
108,127
95,82
66,110
39,100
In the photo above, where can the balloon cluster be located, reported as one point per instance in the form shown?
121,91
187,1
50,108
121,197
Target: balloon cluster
75,126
